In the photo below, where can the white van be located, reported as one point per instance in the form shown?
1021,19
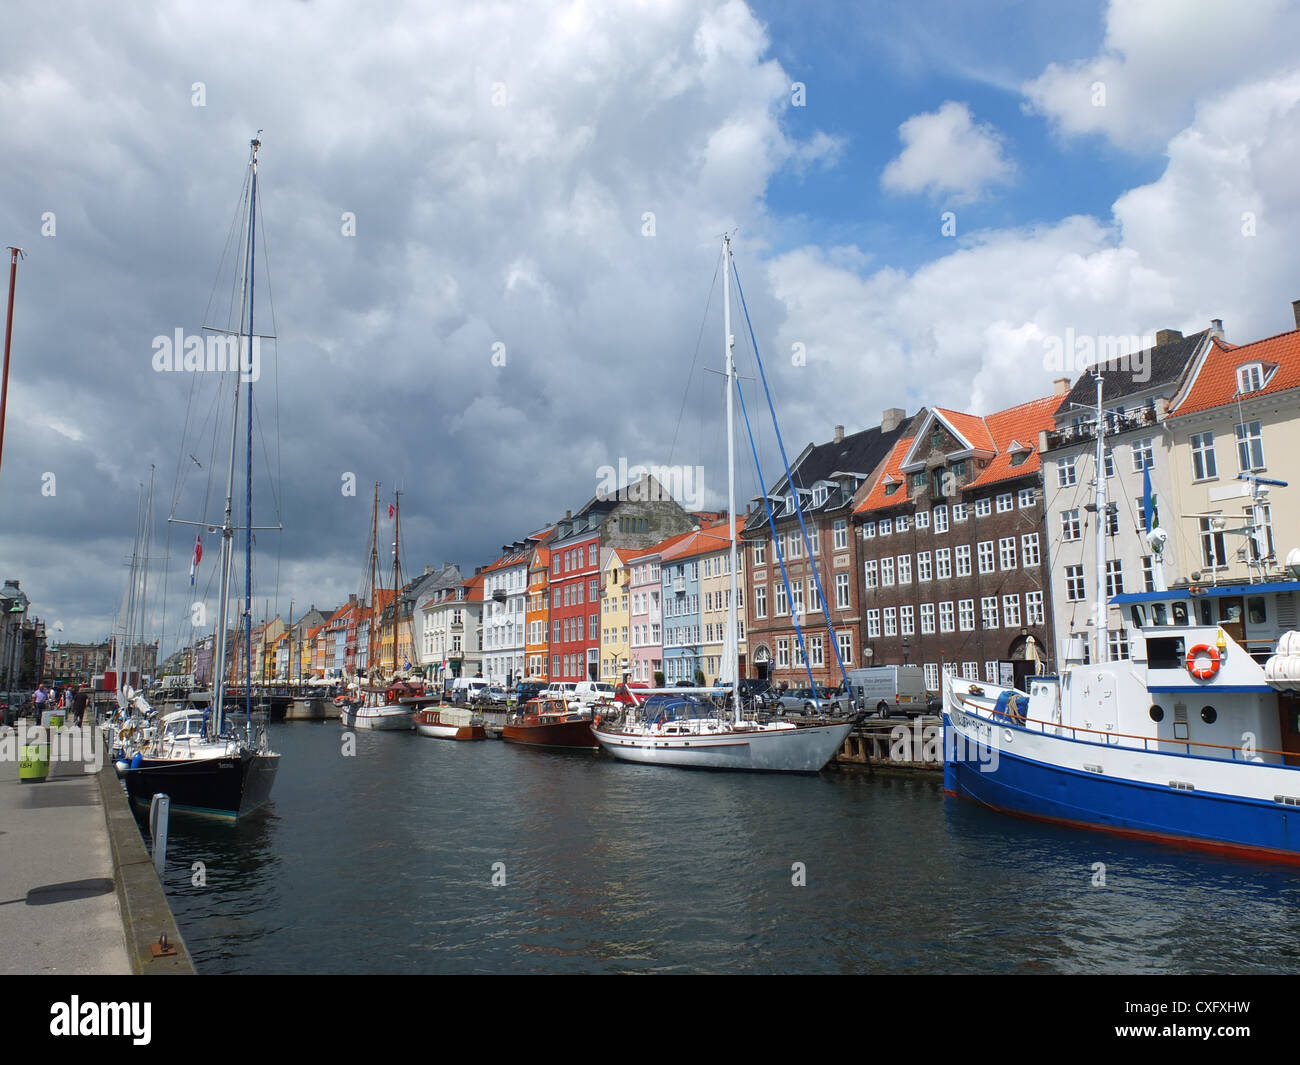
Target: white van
593,691
887,690
464,689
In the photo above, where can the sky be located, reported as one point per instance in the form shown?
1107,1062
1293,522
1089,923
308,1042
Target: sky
491,235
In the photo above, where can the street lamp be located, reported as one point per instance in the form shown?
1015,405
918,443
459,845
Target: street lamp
906,644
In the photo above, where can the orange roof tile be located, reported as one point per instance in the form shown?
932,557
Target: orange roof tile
712,536
971,426
1020,424
1215,380
876,498
474,584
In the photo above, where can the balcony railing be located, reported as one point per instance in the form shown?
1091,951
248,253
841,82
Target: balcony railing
1115,423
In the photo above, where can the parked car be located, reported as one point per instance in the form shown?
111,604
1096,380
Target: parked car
627,694
492,695
528,690
800,701
593,691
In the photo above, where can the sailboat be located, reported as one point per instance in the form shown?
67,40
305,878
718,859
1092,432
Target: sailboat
1193,740
206,764
679,729
378,705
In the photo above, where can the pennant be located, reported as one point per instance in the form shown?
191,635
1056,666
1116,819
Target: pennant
1150,518
198,556
391,512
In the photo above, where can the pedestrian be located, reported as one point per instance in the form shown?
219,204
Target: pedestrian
39,699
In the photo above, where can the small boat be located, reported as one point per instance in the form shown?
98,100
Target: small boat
549,722
380,708
450,723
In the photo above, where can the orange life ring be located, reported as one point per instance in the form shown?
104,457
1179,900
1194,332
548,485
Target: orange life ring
1205,672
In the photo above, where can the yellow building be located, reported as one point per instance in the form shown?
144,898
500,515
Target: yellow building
615,615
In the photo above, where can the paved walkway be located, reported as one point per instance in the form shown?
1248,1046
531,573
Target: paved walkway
58,908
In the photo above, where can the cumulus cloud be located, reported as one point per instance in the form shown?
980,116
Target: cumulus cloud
1159,58
945,154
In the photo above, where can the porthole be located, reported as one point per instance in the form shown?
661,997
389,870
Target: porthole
1157,713
1209,715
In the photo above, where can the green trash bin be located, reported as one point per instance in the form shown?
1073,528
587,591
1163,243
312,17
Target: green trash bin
34,766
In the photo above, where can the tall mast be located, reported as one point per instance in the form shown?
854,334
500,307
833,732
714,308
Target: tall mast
374,584
1102,620
397,570
227,526
731,646
144,576
251,277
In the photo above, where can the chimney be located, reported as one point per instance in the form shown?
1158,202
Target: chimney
1216,328
428,570
1060,386
839,434
1167,336
568,514
891,419
1295,309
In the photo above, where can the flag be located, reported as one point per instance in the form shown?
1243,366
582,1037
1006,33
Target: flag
391,512
1150,518
198,556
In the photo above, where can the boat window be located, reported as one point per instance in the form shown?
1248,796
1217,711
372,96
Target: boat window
1139,614
1156,713
1255,610
1209,715
1207,612
1159,614
1230,610
1165,652
1180,613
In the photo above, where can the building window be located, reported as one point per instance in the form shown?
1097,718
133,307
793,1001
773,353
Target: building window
1007,552
923,519
783,652
1114,577
868,530
924,569
906,620
1034,608
1029,549
782,606
796,545
1213,550
970,670
1004,502
986,556
989,611
1011,611
873,624
959,511
1143,455
1028,497
1250,446
886,572
840,534
963,560
927,619
940,519
841,591
983,508
760,552
1071,529
1260,543
1204,464
891,621
1108,462
1066,474
901,524
946,617
1250,378
904,569
966,615
760,601
931,670
592,554
1118,642
844,641
885,526
1075,590
943,563
816,652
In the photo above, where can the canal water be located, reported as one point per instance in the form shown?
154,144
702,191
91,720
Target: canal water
425,856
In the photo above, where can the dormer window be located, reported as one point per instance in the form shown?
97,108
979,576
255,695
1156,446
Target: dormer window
1019,458
819,495
1251,377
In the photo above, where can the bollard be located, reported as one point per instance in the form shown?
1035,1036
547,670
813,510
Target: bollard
159,807
34,765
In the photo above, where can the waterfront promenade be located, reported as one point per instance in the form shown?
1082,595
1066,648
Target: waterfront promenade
71,863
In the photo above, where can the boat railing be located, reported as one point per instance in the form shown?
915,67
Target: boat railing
1159,744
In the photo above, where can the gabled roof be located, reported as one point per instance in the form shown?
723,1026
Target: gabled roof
708,538
893,474
1163,366
1017,425
968,428
1213,382
474,588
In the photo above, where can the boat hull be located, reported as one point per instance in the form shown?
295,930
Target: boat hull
379,718
1219,805
568,734
451,724
227,787
800,749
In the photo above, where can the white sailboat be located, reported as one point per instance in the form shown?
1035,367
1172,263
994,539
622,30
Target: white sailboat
685,732
205,764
